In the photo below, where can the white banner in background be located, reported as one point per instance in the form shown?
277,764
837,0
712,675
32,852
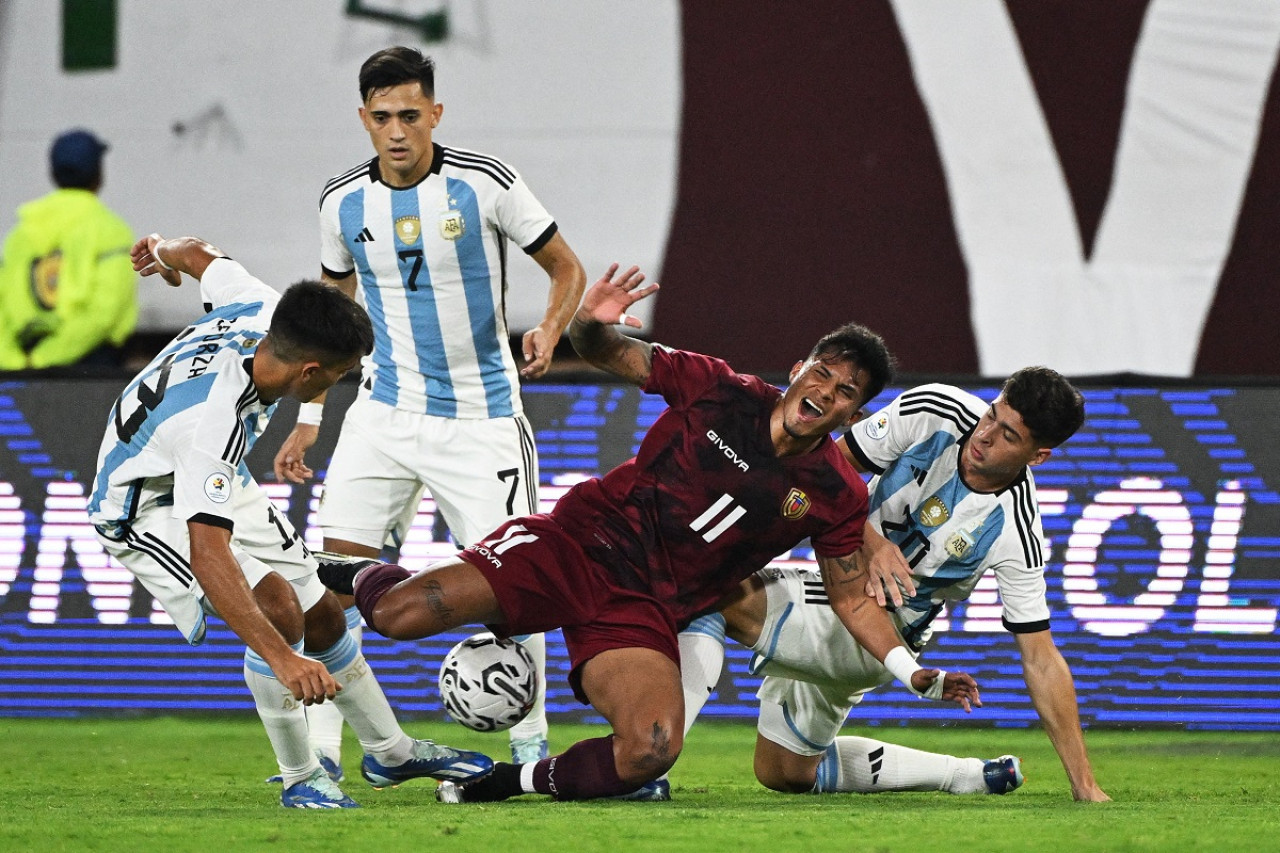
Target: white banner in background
1196,91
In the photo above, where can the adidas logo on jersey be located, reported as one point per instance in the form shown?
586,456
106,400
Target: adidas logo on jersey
365,236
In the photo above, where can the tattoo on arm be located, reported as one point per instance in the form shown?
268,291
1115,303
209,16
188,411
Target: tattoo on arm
436,603
608,349
850,570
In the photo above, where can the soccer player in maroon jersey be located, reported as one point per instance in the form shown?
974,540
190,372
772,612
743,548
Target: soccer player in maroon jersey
734,473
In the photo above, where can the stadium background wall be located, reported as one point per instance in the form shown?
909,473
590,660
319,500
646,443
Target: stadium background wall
1163,518
989,184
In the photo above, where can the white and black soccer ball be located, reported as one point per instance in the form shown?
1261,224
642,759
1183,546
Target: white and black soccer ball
488,684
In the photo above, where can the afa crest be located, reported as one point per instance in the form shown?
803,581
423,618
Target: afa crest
795,505
452,225
934,512
408,229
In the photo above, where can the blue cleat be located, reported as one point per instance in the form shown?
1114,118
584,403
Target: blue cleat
1003,774
316,792
657,791
333,768
528,750
431,760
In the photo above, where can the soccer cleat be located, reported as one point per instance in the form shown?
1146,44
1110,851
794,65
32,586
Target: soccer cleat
333,768
657,791
317,791
338,571
527,750
1003,774
430,759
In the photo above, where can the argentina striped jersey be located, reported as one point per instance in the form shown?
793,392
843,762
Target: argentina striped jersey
948,533
180,430
431,264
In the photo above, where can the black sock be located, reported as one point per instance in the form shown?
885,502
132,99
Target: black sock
502,783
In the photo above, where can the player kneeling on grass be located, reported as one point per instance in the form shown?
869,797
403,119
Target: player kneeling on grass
175,504
953,497
731,474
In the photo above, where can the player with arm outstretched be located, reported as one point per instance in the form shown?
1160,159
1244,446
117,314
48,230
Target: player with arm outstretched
175,504
953,497
732,473
420,235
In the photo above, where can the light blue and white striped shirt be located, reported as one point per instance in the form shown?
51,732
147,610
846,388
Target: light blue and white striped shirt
949,534
185,423
431,262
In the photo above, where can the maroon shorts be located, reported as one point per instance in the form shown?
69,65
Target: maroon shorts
543,581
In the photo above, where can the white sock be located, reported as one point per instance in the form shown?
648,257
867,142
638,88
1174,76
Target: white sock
869,766
363,704
325,721
701,660
535,723
283,718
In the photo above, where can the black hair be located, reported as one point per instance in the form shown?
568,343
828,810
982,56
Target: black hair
858,345
316,322
1050,406
394,66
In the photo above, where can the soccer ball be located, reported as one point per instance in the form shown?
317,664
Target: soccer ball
488,684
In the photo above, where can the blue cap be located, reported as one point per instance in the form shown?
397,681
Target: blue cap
76,158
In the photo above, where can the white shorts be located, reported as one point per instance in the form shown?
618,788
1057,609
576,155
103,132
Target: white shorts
814,672
480,473
156,548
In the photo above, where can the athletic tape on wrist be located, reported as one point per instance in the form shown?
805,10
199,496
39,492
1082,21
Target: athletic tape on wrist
311,413
902,666
155,253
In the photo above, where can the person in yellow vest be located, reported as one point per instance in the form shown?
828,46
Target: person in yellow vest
68,292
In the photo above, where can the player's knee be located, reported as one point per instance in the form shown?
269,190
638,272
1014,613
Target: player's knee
325,624
784,777
649,753
278,602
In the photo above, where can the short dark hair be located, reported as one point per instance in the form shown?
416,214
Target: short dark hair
1050,406
393,66
858,345
313,321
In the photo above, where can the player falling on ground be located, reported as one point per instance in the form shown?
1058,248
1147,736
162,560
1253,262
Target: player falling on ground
420,232
733,473
953,497
174,502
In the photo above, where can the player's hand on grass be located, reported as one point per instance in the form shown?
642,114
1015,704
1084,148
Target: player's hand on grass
608,299
1091,794
290,462
307,679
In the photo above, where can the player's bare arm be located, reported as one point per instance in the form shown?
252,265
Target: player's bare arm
568,281
290,463
154,255
605,306
215,567
1053,693
846,579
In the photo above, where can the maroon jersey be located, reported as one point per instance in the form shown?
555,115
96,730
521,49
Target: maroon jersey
707,502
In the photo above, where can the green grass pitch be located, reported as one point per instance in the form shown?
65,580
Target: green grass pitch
195,783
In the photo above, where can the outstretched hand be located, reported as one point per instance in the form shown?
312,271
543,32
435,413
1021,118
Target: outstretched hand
144,261
608,299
